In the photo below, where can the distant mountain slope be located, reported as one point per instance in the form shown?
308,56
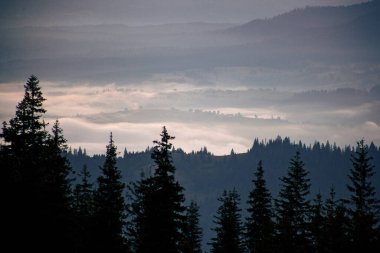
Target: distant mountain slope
318,33
284,51
301,20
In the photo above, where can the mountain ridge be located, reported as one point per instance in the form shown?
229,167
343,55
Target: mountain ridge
332,16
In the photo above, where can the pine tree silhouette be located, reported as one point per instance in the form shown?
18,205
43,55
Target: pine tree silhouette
157,207
228,225
109,212
259,226
317,225
336,225
192,232
363,206
36,171
83,207
293,208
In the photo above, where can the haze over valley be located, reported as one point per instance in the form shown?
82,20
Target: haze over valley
311,73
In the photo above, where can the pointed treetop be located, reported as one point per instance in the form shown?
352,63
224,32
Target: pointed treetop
27,128
165,138
58,138
33,94
363,192
111,138
162,153
111,144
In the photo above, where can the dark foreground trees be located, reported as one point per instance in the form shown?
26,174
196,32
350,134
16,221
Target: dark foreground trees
157,209
336,225
363,208
259,226
317,225
192,232
42,214
228,227
109,206
83,207
37,199
293,209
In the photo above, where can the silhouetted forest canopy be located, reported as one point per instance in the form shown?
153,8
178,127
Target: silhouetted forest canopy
279,196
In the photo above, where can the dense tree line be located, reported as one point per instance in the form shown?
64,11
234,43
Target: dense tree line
48,208
291,223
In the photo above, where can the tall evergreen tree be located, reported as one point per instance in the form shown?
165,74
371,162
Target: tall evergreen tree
109,205
141,214
36,176
293,208
259,226
157,209
317,225
228,225
58,191
27,130
363,204
25,138
83,205
192,232
336,225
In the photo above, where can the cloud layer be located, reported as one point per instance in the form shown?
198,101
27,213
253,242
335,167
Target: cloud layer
310,74
220,119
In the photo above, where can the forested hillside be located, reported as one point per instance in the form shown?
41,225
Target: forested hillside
278,100
316,198
205,176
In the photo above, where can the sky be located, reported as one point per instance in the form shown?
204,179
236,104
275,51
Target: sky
113,66
142,12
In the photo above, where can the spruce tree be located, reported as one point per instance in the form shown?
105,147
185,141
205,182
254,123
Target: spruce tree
27,129
109,211
25,139
363,206
169,197
228,227
317,225
60,217
141,215
336,225
83,205
293,208
35,173
192,232
259,226
157,208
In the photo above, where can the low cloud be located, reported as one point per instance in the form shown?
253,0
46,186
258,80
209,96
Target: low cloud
220,119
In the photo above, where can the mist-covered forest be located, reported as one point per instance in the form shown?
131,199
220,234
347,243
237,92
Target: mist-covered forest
233,79
279,196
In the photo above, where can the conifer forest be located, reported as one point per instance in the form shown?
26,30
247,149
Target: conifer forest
56,199
190,126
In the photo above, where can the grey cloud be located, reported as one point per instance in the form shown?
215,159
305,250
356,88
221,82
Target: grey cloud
218,118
